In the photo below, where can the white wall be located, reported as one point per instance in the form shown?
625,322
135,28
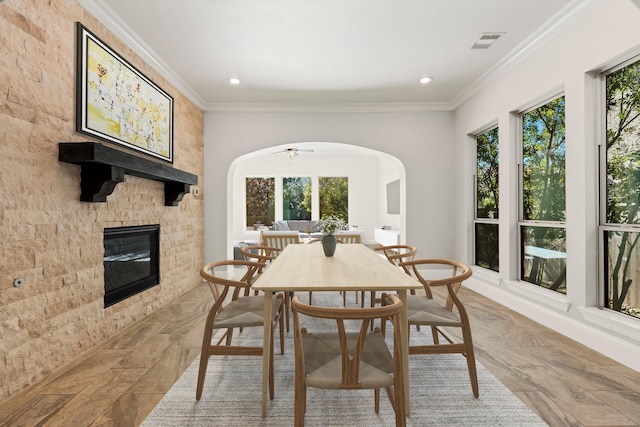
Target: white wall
605,33
422,141
387,174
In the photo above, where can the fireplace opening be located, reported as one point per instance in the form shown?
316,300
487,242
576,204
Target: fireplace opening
131,261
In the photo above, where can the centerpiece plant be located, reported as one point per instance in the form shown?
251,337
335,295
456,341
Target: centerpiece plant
329,226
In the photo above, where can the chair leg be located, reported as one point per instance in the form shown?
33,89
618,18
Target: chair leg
204,353
373,304
271,363
299,402
376,394
281,327
473,375
202,371
229,336
434,333
287,303
471,362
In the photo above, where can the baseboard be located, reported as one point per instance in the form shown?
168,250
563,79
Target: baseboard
626,352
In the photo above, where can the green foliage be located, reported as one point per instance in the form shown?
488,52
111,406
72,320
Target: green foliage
293,198
623,182
487,248
260,194
623,145
543,175
487,193
334,197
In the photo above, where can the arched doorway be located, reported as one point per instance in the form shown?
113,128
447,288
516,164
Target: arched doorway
369,171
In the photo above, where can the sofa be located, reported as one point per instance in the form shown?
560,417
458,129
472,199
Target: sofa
304,226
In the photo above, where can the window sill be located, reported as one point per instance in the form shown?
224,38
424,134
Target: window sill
486,275
537,294
620,324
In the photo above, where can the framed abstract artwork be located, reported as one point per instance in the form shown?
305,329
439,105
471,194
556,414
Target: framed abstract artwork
117,103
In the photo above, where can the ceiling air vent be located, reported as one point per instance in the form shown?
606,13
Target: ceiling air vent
486,40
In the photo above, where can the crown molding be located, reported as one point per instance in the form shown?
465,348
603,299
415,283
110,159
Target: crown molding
329,108
110,20
562,19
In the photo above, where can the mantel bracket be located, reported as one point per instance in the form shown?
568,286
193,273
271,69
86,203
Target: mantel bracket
102,168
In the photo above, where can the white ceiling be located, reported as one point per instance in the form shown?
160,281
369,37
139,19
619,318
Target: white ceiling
331,54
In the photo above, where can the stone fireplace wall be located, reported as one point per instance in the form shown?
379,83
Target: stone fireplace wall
48,237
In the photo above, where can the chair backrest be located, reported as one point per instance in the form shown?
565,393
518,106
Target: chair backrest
222,277
279,239
351,348
346,237
398,253
259,253
459,273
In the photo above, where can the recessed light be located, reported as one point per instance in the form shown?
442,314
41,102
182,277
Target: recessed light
425,80
234,81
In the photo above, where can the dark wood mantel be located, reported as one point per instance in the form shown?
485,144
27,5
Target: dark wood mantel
103,167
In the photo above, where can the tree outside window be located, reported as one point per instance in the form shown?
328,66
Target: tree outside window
487,197
622,190
334,197
543,237
294,206
260,201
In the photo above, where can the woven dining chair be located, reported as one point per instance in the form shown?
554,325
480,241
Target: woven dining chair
348,237
266,254
261,254
231,310
395,254
425,310
348,360
279,239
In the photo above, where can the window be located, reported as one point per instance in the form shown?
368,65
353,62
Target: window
486,215
334,197
260,201
296,198
296,194
542,213
620,190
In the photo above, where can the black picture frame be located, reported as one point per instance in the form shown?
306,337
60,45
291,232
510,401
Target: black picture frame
117,103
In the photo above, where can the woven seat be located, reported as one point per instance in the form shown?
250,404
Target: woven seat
232,310
424,310
348,360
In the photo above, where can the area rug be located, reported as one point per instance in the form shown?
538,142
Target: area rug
439,386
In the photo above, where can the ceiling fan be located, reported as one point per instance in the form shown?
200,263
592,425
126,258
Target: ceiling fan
292,152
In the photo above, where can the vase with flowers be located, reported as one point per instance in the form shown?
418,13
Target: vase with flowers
329,226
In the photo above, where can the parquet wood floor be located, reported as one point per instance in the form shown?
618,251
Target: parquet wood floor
119,382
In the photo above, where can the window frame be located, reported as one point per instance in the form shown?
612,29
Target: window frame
279,195
246,212
604,227
523,223
477,220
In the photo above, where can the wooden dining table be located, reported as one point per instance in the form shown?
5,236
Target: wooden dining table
354,267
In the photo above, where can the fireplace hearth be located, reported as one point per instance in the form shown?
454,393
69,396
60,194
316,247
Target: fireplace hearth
131,261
